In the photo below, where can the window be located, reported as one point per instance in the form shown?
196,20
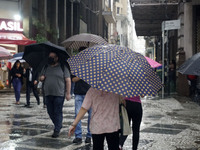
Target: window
118,10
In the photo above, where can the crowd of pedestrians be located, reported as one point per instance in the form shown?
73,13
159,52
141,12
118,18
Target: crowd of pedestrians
103,123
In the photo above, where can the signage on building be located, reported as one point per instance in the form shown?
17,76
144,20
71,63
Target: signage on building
9,25
171,25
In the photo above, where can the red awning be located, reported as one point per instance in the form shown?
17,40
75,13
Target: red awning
14,38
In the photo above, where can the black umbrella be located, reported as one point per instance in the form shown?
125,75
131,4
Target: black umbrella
36,55
191,66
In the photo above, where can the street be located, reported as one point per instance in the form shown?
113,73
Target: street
167,124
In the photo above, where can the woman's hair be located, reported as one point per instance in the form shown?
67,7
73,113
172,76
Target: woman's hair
81,48
15,64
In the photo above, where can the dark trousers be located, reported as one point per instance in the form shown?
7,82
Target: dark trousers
134,110
30,87
17,85
192,87
54,109
111,138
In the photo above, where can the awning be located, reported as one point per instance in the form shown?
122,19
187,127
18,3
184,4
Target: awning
14,38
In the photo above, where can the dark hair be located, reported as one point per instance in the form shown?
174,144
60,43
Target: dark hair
15,64
81,48
55,53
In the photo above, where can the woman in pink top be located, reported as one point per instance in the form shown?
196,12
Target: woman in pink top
134,110
104,119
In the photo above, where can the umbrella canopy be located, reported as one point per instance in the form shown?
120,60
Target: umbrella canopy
83,40
191,66
153,63
20,54
17,56
12,60
4,53
115,69
36,55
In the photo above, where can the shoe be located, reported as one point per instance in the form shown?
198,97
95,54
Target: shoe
38,102
28,106
17,103
55,134
88,140
77,141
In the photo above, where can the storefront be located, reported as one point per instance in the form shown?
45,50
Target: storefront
12,39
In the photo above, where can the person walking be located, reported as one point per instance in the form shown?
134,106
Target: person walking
17,79
57,87
105,122
31,84
134,111
80,89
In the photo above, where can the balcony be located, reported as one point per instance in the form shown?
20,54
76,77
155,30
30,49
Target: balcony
108,15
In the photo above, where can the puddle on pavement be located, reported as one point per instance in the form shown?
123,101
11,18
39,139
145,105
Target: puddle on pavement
171,126
19,116
86,147
198,142
28,132
15,137
2,105
187,149
143,142
155,116
40,126
46,142
22,148
161,131
20,123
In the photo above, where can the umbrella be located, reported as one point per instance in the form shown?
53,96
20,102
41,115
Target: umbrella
115,69
83,40
153,63
20,54
12,60
4,53
36,55
17,56
191,66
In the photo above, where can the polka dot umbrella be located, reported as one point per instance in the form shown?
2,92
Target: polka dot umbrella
116,69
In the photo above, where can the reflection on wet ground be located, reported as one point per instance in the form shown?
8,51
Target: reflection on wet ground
46,142
166,125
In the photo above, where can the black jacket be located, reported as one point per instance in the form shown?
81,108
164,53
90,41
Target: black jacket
14,71
34,76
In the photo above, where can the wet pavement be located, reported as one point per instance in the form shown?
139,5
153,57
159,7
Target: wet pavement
167,124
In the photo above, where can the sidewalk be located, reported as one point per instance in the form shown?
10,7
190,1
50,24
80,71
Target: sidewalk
168,124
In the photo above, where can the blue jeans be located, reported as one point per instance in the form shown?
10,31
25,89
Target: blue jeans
17,85
78,103
54,109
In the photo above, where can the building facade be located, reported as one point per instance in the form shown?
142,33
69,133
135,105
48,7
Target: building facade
54,20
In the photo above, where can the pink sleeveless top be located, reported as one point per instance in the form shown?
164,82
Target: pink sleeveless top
134,99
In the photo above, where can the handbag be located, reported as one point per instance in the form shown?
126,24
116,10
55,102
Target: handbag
124,121
39,86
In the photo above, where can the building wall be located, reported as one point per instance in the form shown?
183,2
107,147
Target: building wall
9,12
186,40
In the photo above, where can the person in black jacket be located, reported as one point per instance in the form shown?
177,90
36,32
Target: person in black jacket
17,79
80,90
31,84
